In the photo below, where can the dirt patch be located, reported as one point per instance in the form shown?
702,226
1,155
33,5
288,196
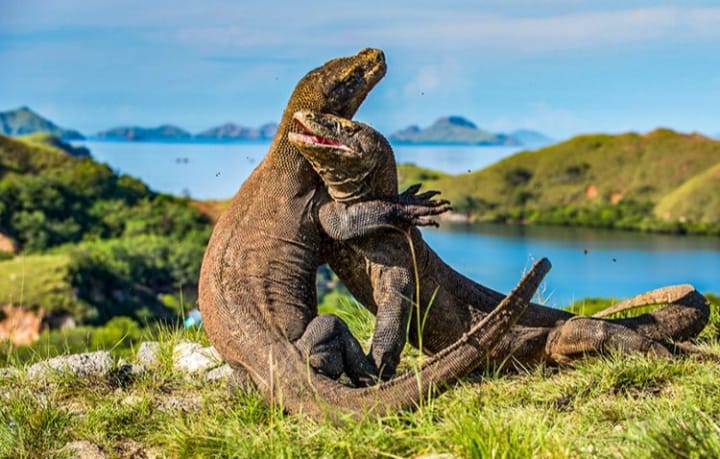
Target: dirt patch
19,326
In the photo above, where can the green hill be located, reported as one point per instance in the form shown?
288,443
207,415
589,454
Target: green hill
658,181
121,245
23,120
698,199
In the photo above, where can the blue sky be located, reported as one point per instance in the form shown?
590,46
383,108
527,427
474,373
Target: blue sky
562,67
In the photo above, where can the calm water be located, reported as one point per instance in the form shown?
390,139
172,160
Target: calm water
616,263
216,170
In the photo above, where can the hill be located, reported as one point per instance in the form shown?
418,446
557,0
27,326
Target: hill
163,132
660,181
23,120
530,138
121,246
232,131
451,130
48,140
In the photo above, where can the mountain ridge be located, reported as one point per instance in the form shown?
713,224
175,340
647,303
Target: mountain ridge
457,130
24,121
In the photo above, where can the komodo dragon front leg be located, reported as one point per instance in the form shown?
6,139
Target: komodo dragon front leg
355,161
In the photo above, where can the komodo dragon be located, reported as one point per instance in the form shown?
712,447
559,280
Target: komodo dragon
378,271
257,281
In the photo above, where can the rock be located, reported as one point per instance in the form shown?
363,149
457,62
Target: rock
9,372
82,450
221,373
193,358
80,365
147,354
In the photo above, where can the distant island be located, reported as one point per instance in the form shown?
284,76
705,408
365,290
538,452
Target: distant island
227,131
456,130
24,121
449,130
166,131
232,131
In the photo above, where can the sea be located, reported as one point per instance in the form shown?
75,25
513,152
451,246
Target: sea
586,262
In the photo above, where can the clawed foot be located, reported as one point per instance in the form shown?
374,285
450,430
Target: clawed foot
418,208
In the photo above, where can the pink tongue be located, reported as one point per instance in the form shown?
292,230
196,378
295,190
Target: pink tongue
325,141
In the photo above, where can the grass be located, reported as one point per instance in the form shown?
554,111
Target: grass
37,281
617,406
659,181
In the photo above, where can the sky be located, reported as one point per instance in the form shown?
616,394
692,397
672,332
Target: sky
562,67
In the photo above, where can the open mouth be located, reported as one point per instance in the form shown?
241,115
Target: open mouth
307,136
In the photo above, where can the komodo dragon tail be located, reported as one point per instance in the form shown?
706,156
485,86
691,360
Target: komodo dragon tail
280,372
685,315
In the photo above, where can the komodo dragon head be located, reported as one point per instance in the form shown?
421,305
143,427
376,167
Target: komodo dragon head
340,85
346,154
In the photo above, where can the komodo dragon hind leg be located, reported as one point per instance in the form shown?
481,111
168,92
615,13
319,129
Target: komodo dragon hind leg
587,335
330,349
685,315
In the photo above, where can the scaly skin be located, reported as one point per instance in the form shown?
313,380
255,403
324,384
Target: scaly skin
378,270
257,281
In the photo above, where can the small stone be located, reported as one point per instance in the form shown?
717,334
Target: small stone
89,364
193,358
147,354
83,449
8,372
131,400
221,373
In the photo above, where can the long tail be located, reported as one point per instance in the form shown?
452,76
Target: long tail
280,372
685,315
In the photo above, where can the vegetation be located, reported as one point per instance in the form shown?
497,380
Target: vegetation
111,245
603,407
661,181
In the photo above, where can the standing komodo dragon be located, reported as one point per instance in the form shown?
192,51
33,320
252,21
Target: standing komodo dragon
257,281
378,270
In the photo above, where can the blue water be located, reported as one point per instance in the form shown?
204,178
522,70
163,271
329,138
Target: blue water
586,262
616,264
216,170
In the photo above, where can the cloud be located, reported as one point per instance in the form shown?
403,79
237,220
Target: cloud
434,77
490,32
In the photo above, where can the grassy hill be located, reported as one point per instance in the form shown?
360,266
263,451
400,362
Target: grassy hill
661,180
93,244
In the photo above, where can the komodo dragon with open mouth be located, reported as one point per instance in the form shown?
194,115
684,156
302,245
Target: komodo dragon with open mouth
356,162
257,281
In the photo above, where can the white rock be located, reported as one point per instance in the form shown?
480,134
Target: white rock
147,354
193,358
81,365
219,374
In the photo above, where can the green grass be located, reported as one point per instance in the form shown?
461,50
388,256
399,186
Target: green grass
37,281
628,407
659,181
